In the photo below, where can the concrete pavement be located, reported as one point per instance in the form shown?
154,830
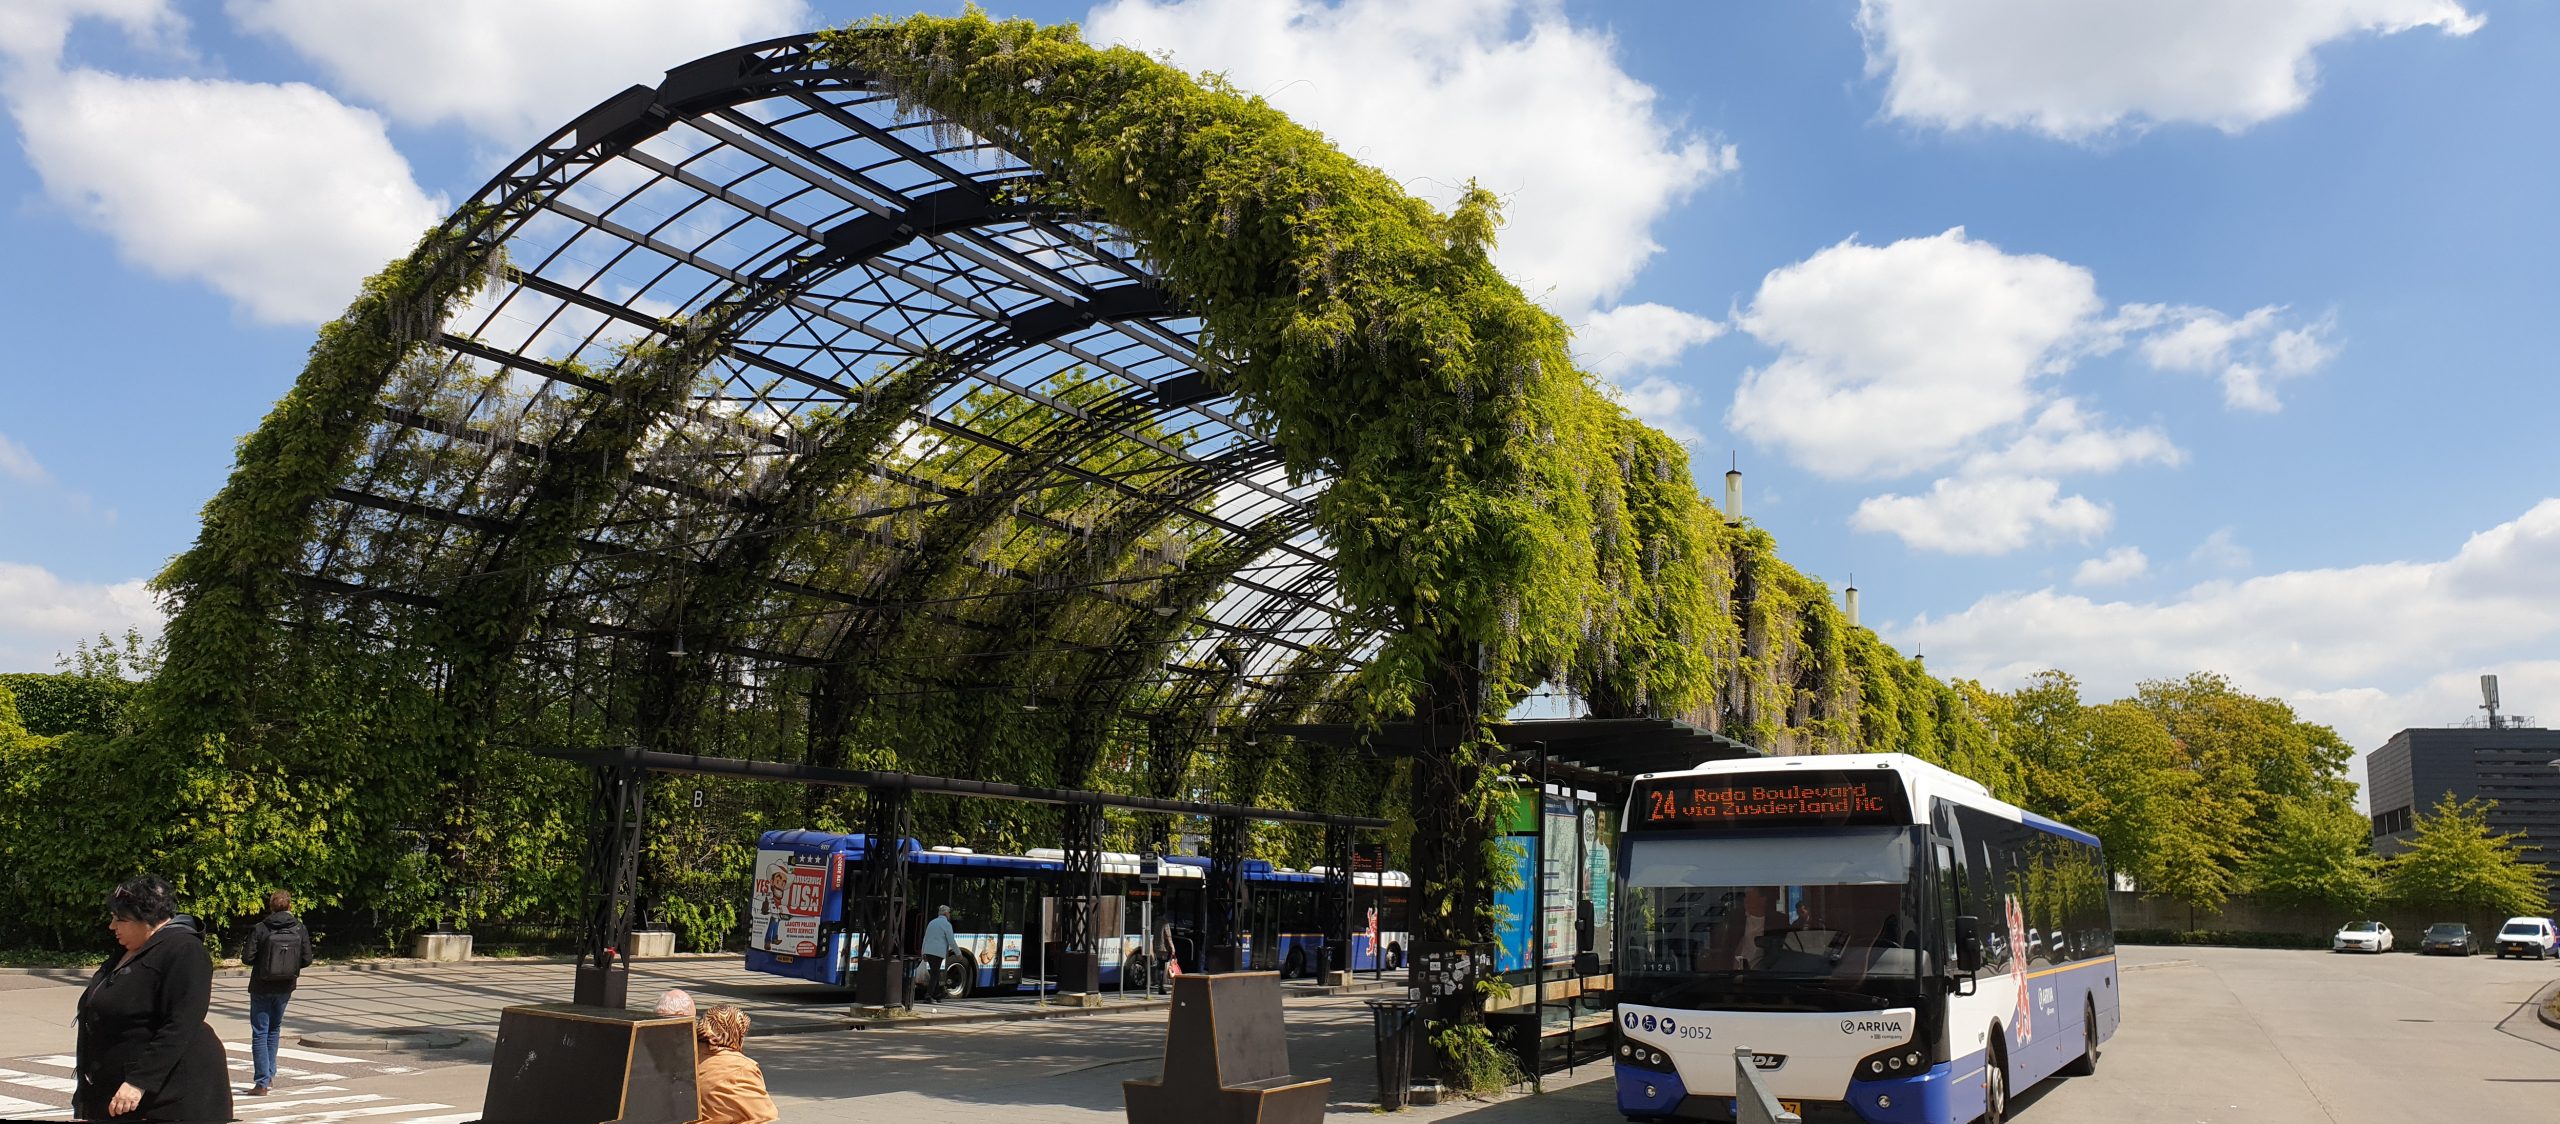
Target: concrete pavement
2212,1036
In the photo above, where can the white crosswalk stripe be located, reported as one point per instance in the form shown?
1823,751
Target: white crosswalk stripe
302,1102
12,1106
242,1065
298,1055
38,1081
247,1105
349,1114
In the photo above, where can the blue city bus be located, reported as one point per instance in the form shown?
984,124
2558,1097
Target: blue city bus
1891,942
798,924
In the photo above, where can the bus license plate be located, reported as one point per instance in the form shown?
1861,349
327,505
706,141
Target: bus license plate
782,958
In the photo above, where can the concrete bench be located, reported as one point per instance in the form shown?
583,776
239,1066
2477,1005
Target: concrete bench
1226,1059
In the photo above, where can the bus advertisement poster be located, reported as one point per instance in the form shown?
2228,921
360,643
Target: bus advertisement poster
788,902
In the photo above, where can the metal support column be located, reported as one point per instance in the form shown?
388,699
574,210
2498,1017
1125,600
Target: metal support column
1222,932
885,977
1538,936
603,977
1079,894
1336,908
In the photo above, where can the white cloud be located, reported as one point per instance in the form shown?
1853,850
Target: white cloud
32,31
1947,352
2370,641
2064,439
1895,359
42,616
2248,353
2220,551
1437,92
1639,337
512,70
17,463
278,196
2367,716
1983,515
2115,567
2079,68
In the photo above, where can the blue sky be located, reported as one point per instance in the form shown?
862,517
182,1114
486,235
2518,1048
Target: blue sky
2130,338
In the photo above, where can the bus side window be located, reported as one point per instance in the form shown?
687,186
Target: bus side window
1950,903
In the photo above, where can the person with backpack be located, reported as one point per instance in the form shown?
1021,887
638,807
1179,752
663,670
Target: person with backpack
279,949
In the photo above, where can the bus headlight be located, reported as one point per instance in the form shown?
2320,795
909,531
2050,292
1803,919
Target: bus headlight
1896,1062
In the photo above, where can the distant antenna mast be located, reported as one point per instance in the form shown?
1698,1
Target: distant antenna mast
2489,698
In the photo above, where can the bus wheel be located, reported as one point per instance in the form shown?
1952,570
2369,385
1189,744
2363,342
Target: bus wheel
960,976
2087,1063
1296,965
1995,1082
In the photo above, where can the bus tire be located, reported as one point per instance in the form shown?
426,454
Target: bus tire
1395,956
1995,1079
959,976
1295,966
2087,1063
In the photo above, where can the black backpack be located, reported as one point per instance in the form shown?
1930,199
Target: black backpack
287,952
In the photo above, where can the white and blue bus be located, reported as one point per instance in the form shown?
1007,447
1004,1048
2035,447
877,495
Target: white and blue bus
1892,943
799,926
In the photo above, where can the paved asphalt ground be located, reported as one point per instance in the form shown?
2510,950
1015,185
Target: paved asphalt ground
2212,1036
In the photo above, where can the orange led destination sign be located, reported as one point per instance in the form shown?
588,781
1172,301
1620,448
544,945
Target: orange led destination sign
1793,799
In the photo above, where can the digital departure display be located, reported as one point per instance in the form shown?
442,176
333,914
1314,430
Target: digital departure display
1833,798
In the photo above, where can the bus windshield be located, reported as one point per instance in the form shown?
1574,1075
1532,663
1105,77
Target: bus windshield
1828,921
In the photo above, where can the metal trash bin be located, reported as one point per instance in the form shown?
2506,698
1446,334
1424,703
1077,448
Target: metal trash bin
1394,1021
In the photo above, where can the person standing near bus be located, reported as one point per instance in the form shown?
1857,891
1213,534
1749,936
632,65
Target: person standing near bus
936,947
279,949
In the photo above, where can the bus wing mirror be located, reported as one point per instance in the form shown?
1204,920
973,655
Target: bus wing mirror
1968,945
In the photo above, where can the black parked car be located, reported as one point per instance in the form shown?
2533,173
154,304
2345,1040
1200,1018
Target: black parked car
2451,937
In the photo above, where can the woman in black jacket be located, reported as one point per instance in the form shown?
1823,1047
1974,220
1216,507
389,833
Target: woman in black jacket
145,1051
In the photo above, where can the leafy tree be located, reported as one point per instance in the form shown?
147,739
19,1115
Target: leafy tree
2455,862
2249,750
2319,857
111,657
2181,836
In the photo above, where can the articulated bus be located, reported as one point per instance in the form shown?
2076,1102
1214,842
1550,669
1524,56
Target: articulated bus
1890,942
1001,905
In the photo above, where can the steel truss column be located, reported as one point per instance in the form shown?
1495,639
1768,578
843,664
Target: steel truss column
1079,893
882,977
1336,907
613,883
1222,932
884,874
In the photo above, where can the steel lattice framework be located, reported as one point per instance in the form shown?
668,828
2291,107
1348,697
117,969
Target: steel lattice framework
1067,470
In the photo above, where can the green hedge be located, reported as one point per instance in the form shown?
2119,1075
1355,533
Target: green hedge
2219,937
52,704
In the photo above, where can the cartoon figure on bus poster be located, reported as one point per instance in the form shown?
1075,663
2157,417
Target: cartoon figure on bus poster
784,902
2023,1026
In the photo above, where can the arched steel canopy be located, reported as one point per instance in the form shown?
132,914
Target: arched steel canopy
1069,511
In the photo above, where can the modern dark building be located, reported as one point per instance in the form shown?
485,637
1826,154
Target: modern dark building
2514,766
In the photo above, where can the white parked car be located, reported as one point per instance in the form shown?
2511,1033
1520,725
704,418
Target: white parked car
2527,936
2362,936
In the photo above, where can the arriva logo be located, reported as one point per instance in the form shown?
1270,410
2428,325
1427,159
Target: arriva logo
1869,1026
